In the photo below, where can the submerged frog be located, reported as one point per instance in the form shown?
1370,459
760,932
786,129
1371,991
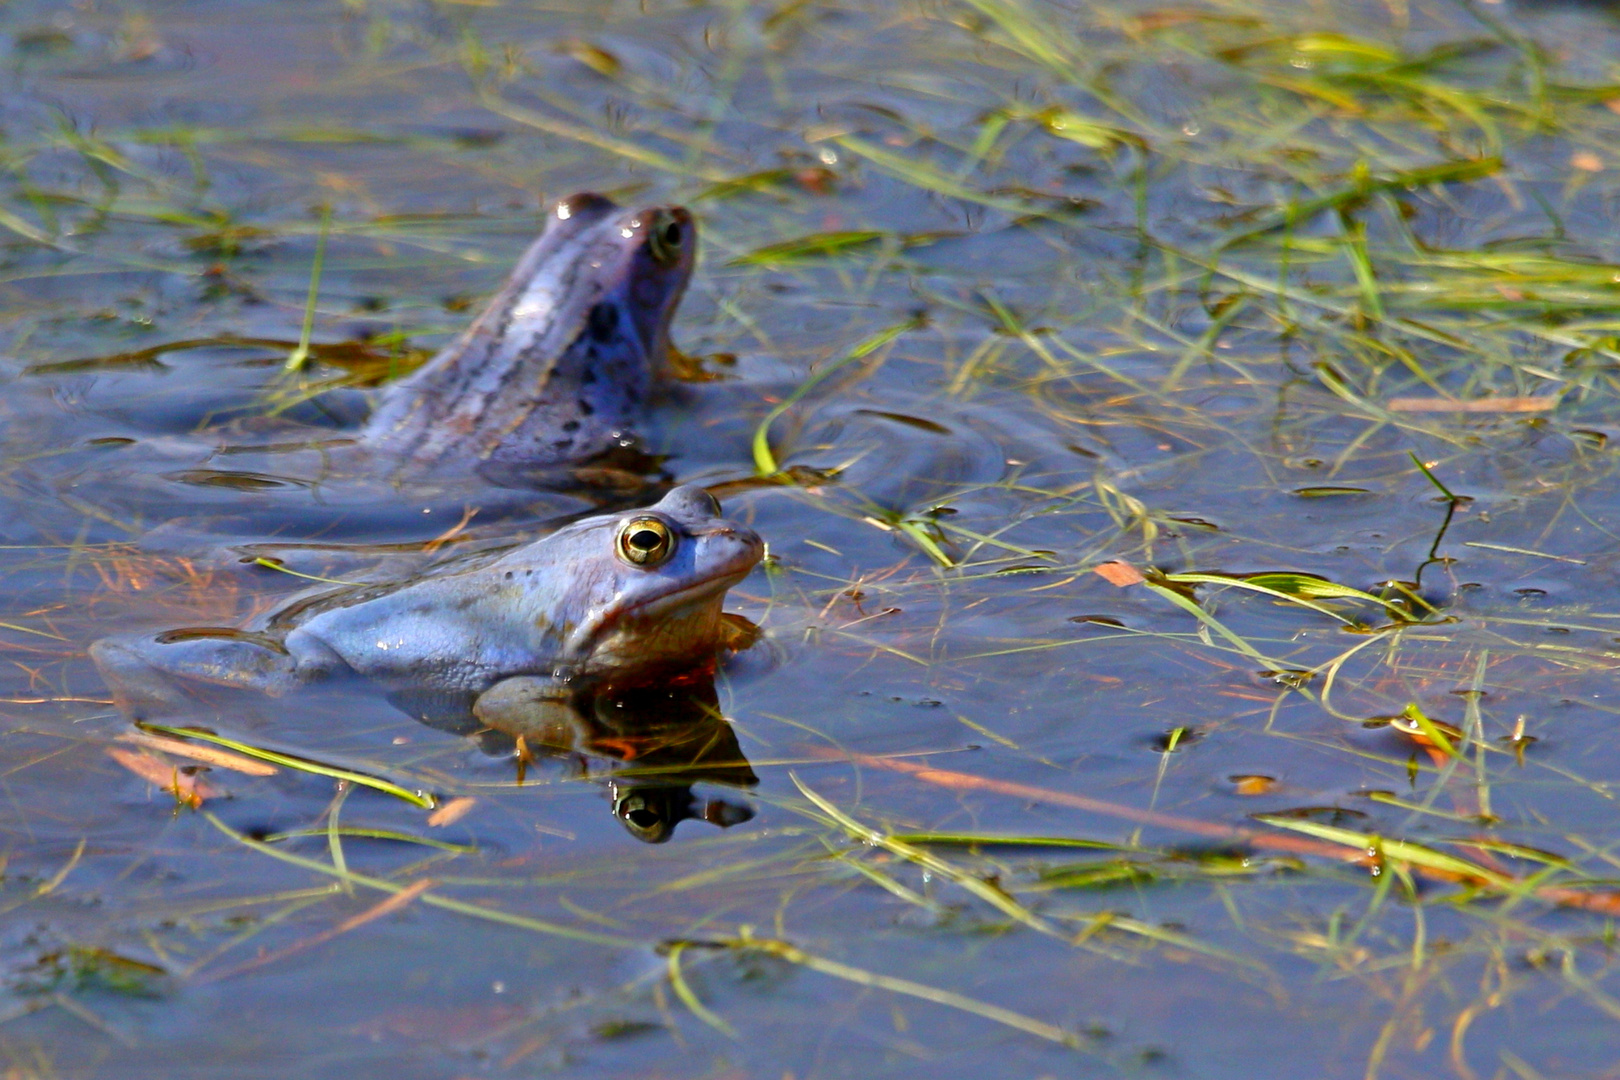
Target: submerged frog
605,601
561,364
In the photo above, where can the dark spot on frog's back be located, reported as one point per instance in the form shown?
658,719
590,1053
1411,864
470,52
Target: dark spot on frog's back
603,321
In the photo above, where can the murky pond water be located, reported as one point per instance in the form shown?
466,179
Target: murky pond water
1182,435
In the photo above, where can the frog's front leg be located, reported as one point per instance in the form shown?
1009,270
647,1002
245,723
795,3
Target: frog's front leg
532,707
148,673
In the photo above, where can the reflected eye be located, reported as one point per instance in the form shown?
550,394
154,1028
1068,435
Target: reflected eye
664,240
646,541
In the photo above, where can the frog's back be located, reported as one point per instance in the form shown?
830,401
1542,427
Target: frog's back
560,365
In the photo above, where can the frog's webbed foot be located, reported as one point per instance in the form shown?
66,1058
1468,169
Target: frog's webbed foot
149,673
534,708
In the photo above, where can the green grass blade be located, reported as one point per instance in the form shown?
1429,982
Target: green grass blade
683,990
1401,850
765,462
424,799
461,907
300,355
862,977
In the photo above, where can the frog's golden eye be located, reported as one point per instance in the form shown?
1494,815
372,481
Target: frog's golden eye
646,541
665,238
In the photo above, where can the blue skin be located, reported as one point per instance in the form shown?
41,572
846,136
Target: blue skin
561,364
571,610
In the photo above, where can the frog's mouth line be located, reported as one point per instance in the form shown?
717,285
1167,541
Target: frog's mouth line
653,605
586,639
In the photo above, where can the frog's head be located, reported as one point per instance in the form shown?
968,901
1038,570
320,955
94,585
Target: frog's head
647,586
585,315
628,267
650,812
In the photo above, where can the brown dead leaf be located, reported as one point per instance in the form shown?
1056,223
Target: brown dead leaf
191,790
1253,784
451,812
1606,901
526,1048
1119,574
1414,731
817,181
1159,20
1477,405
206,754
592,56
451,533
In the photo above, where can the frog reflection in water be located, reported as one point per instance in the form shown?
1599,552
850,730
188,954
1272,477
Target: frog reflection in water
647,746
619,599
560,366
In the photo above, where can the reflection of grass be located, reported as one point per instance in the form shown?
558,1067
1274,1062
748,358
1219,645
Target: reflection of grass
1264,272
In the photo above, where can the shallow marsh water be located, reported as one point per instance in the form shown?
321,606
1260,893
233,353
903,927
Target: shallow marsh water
1184,288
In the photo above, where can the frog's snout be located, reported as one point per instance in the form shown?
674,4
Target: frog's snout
741,533
738,545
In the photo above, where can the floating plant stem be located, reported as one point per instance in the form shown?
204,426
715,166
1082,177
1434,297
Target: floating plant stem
689,998
765,462
1433,479
862,977
461,907
425,800
300,354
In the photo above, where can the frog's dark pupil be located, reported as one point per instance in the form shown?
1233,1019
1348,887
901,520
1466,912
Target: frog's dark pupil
642,818
645,540
672,234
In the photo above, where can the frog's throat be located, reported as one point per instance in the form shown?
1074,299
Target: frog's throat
582,642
